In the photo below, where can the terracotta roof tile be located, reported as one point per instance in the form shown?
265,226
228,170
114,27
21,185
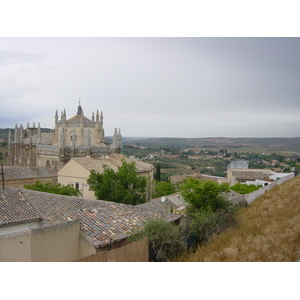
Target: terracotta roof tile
101,221
113,161
15,208
15,172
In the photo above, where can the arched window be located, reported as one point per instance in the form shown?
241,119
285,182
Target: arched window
73,138
48,164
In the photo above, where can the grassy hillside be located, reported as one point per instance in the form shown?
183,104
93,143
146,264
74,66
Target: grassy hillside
268,231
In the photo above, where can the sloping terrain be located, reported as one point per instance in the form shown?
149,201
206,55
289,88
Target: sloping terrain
268,231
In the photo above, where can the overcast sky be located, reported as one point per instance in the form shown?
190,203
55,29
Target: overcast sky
156,87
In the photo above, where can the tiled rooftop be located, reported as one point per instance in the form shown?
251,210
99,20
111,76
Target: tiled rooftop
175,201
99,220
180,178
113,161
251,174
15,172
114,221
15,208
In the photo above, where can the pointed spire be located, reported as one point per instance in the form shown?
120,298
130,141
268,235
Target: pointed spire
16,133
79,110
21,133
30,137
93,117
9,139
97,116
39,138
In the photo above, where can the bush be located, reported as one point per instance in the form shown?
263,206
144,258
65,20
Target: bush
165,239
202,226
244,188
163,188
67,190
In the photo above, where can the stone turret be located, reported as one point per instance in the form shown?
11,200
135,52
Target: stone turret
117,141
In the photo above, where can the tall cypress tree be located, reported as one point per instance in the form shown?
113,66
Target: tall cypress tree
157,174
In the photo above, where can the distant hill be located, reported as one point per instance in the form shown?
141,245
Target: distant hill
216,142
220,142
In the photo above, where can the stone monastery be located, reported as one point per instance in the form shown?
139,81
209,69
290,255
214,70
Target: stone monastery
74,137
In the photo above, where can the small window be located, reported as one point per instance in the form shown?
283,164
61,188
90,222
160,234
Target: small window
77,186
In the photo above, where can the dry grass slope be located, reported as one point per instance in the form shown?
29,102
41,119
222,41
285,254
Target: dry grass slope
268,231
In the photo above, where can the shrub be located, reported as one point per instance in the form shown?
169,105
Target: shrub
67,190
202,226
165,239
163,188
244,188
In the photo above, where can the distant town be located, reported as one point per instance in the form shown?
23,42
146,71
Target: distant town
72,194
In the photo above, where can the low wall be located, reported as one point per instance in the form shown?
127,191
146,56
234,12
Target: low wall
254,195
133,252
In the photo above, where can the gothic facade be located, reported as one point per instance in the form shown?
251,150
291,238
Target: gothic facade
74,137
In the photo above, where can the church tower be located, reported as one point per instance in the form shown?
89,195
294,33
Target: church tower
77,136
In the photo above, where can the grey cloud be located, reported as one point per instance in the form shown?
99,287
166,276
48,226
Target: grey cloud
158,86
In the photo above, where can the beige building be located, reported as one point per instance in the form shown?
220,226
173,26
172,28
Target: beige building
244,175
78,170
77,136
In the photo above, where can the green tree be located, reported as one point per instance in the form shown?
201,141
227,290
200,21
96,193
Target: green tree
204,195
157,173
67,190
163,188
123,186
